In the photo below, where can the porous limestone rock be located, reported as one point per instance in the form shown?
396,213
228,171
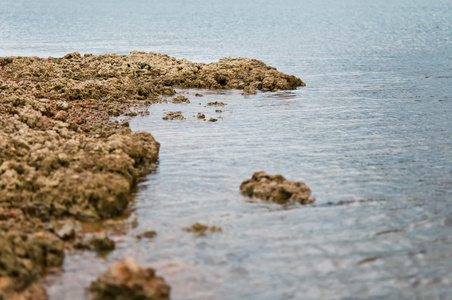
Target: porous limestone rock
201,229
23,257
61,154
126,280
276,188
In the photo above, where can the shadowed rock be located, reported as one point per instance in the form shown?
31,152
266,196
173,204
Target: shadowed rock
126,280
23,257
276,188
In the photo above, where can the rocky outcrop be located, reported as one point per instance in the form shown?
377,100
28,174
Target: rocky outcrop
138,76
61,155
276,188
59,172
127,280
173,115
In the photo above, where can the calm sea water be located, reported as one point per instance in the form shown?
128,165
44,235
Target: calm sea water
373,123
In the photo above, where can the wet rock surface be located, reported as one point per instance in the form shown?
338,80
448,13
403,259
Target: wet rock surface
201,229
25,256
173,115
276,188
98,242
149,234
180,99
216,103
127,280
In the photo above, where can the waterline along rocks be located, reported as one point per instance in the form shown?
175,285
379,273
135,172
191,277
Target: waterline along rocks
276,188
61,154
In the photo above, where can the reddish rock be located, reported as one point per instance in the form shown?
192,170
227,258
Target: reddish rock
126,280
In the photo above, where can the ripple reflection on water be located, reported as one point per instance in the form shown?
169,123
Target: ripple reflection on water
343,151
395,244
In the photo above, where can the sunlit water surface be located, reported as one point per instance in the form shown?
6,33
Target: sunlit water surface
374,123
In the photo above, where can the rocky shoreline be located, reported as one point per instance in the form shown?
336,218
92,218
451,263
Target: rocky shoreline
61,155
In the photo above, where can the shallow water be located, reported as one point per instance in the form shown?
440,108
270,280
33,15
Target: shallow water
374,123
396,244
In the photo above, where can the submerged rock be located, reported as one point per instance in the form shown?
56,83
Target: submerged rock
173,115
201,229
23,257
126,280
147,234
98,242
216,103
276,188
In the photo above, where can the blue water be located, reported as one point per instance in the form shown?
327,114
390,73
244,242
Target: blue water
373,123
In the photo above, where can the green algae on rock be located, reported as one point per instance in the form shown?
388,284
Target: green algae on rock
276,188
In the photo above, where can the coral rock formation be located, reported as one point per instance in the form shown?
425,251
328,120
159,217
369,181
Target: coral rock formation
276,188
61,155
201,229
127,280
23,257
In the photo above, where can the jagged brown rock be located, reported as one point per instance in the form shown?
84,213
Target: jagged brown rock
173,115
201,229
60,173
24,257
216,103
98,242
180,99
62,156
149,234
276,188
126,280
